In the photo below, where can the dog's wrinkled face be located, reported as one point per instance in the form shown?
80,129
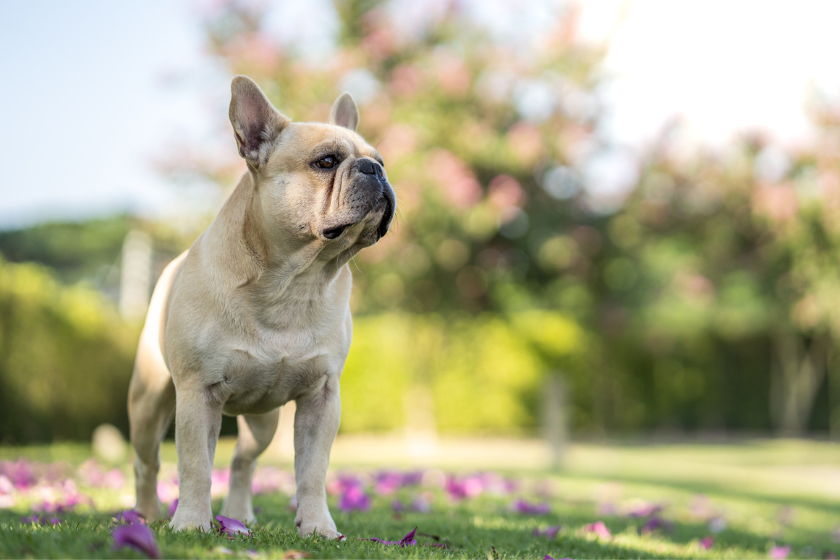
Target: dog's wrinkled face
317,183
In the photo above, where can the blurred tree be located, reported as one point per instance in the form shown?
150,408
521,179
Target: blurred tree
705,281
65,358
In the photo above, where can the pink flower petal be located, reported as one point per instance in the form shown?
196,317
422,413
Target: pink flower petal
598,528
231,527
521,506
779,552
129,516
407,540
173,507
549,532
354,499
136,536
707,542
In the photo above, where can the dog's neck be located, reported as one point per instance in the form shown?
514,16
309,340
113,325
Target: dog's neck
240,242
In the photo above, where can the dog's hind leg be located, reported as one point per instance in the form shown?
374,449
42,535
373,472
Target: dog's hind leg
255,434
151,405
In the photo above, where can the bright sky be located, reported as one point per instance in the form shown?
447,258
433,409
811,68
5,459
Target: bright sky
92,89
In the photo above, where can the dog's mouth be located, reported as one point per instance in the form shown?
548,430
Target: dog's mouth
335,232
386,205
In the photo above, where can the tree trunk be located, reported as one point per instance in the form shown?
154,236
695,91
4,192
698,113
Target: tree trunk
798,372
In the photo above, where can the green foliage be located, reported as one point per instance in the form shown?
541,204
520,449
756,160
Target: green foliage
74,250
65,358
483,373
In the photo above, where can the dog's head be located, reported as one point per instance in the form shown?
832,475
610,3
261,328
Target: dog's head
316,183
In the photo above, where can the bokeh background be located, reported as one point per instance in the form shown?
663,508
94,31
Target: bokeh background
615,219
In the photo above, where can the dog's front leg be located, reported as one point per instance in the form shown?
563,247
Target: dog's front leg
198,419
316,423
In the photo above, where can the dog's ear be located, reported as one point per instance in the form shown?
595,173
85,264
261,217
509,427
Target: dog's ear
344,112
256,123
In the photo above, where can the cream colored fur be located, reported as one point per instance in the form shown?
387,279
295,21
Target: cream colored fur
256,313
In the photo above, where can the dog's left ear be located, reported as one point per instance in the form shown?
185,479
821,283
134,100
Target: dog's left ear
344,112
256,123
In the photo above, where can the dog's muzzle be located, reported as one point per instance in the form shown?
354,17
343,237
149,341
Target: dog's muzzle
371,193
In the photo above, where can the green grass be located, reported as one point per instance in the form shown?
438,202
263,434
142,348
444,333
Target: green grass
750,484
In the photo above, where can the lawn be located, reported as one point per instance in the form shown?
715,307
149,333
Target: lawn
753,499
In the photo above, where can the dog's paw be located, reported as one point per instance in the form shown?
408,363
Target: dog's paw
185,519
316,520
149,509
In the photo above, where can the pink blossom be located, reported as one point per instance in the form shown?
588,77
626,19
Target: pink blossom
598,528
522,506
707,542
458,180
407,540
779,552
232,527
354,499
173,507
549,532
138,537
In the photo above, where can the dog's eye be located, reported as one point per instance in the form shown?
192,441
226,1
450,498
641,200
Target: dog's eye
326,162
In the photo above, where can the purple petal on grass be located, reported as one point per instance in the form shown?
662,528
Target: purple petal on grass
354,499
655,523
407,540
598,528
54,520
231,527
129,516
173,507
397,506
136,536
521,506
30,519
467,487
644,510
6,486
549,532
707,542
779,552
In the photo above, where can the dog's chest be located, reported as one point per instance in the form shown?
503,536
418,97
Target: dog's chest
264,373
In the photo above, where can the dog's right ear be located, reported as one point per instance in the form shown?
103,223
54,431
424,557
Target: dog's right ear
256,123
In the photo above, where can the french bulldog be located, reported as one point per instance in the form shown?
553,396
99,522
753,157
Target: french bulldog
256,313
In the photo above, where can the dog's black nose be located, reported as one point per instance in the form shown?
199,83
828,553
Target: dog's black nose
367,166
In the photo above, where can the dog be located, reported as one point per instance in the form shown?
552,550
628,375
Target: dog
256,313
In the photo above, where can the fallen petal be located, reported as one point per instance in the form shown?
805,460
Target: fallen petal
598,528
136,536
231,527
129,516
354,499
779,552
707,542
407,540
655,523
521,506
549,532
